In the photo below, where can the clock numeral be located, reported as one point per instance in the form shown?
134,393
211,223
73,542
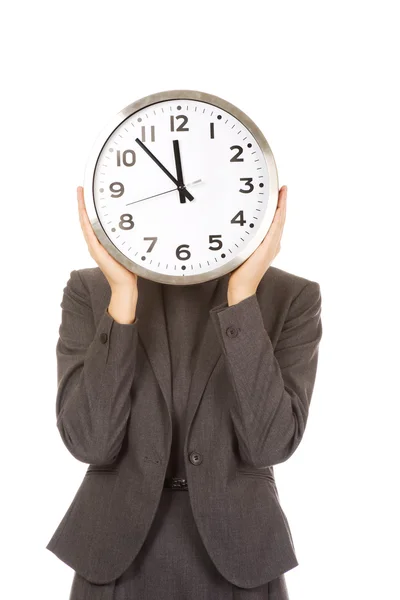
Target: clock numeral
183,250
150,248
212,131
128,158
117,189
181,127
211,239
152,133
239,218
248,181
236,158
126,219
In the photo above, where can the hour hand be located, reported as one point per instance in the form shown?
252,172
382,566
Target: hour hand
185,191
179,172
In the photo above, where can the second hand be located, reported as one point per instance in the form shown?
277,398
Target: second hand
162,193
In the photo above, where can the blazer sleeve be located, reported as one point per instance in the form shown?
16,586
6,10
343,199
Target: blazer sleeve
95,370
273,389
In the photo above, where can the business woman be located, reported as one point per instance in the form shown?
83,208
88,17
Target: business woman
181,399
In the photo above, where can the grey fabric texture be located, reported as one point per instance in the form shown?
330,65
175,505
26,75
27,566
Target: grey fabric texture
174,565
247,407
186,314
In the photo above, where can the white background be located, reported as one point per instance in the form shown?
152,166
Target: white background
321,81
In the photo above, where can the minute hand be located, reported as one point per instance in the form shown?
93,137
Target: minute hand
184,190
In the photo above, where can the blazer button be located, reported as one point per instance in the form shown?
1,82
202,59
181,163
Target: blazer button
195,458
232,331
103,337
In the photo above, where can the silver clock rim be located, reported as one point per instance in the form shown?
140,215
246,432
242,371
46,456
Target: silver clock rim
182,279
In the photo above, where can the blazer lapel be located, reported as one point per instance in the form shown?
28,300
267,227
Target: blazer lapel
154,338
208,352
153,333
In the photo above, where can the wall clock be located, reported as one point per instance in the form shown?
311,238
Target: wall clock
181,187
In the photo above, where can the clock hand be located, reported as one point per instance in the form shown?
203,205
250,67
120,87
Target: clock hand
185,191
179,172
162,193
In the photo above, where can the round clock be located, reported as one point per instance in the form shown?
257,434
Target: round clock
181,187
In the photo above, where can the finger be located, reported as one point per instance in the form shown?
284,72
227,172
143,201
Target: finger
281,208
276,228
274,233
284,201
277,221
83,218
87,228
281,204
282,194
80,210
80,205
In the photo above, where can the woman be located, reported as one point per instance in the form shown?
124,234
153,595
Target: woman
181,399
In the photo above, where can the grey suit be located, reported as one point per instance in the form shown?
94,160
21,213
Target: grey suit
247,411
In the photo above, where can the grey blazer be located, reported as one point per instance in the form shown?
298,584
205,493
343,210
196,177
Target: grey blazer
247,411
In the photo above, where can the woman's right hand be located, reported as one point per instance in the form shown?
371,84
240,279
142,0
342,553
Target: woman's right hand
116,274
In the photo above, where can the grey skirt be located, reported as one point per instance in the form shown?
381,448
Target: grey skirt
173,564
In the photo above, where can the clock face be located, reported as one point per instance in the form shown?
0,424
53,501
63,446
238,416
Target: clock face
181,190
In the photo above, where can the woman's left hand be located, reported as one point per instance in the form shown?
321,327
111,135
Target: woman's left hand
244,280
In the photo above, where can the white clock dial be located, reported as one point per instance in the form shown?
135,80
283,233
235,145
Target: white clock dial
181,187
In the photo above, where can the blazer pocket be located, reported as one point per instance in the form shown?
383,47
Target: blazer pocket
101,469
257,473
